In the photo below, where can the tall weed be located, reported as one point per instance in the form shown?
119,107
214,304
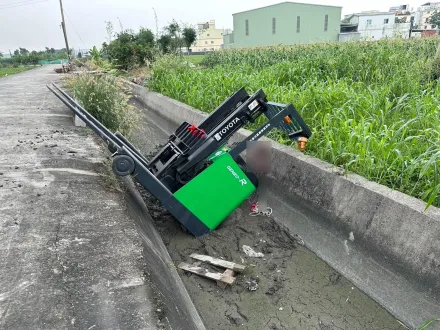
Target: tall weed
104,98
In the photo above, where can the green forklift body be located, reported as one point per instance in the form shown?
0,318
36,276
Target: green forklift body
216,192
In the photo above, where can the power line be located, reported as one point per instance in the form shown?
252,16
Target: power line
74,28
21,4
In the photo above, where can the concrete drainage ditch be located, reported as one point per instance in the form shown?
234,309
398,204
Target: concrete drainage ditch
289,288
295,288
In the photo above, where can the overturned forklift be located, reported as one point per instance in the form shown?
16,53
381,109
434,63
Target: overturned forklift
196,170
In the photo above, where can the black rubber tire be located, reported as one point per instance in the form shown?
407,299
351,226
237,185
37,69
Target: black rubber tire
123,165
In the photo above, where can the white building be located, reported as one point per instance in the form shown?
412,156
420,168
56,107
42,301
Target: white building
372,25
210,38
400,9
424,13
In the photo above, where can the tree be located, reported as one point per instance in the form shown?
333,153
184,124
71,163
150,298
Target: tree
16,52
1,54
109,29
164,43
173,28
80,55
174,31
144,45
129,48
33,58
435,19
23,51
189,37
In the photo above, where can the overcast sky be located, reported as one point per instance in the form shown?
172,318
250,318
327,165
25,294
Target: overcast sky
34,24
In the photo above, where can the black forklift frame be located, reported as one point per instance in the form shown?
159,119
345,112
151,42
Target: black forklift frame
185,152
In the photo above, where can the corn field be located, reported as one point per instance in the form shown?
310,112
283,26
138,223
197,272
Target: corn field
373,107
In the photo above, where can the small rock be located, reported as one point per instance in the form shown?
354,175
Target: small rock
252,285
351,236
280,309
16,167
251,252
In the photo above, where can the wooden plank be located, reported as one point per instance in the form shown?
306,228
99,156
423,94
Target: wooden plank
228,272
219,262
205,273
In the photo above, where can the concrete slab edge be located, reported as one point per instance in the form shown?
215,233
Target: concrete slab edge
179,310
393,227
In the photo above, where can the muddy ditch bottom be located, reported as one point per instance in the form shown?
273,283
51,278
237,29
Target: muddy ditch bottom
289,288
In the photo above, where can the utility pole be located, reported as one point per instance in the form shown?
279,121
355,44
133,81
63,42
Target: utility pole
63,24
10,53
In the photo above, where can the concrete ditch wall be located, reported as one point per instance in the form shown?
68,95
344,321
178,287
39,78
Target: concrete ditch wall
179,310
393,226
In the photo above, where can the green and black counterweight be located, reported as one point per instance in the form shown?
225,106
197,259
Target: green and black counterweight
197,176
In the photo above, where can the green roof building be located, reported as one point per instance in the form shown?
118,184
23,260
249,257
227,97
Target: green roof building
286,23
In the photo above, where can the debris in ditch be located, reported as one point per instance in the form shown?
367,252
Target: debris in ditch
298,239
251,252
222,279
219,262
252,285
225,278
351,237
347,249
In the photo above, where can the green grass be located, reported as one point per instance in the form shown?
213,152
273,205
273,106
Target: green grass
9,71
373,106
426,325
196,59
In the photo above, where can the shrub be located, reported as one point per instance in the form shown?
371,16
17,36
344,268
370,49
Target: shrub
131,49
104,98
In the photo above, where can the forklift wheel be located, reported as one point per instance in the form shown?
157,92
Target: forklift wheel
123,165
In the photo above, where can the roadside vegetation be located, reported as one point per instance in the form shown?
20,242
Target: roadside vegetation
104,98
426,325
130,55
9,71
22,56
372,106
